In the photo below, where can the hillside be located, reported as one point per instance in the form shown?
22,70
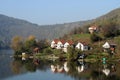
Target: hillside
108,24
10,27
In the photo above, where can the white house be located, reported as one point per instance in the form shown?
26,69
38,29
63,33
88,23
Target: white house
106,45
109,46
92,29
82,46
67,44
60,44
54,43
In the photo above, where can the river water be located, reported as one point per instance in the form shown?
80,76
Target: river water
35,69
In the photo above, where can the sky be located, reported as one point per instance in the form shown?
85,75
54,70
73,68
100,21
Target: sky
46,12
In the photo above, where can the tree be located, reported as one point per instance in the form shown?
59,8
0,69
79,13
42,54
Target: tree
16,43
72,54
94,37
30,42
31,37
110,29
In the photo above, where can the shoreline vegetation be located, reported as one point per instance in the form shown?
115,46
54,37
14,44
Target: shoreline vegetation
44,51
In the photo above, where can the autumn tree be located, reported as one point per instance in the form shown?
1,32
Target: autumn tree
30,42
16,43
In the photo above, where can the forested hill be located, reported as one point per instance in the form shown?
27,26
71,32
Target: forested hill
113,16
10,27
105,21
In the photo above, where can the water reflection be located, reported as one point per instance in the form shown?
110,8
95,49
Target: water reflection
66,66
72,70
77,70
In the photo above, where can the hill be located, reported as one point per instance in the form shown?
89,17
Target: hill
10,27
108,25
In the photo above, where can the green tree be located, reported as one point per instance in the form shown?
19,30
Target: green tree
30,42
94,37
109,29
72,54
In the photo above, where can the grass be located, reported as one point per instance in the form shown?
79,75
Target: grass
82,37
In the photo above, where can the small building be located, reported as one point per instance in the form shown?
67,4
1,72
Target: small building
36,50
54,43
60,44
106,45
67,44
82,46
109,46
93,29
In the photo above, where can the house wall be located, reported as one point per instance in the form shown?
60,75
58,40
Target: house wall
81,47
53,45
59,45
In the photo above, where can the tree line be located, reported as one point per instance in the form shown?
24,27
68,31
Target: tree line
27,45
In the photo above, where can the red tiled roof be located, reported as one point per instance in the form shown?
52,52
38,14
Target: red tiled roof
56,40
70,42
84,43
62,41
93,27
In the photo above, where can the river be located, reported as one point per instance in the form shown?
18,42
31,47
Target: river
35,69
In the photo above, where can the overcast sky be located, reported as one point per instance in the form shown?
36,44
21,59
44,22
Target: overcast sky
57,11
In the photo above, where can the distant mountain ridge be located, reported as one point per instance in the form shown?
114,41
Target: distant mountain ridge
10,27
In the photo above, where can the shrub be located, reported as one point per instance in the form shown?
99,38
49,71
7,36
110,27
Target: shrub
72,54
94,37
48,51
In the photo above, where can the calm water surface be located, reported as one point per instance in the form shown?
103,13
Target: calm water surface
35,69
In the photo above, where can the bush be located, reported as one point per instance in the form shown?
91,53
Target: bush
72,54
48,51
57,52
94,37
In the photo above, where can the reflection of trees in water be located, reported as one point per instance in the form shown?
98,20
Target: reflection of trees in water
43,65
31,65
16,66
89,71
97,72
77,70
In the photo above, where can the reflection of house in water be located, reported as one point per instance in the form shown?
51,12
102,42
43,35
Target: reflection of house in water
57,68
80,68
53,68
60,69
108,71
65,68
